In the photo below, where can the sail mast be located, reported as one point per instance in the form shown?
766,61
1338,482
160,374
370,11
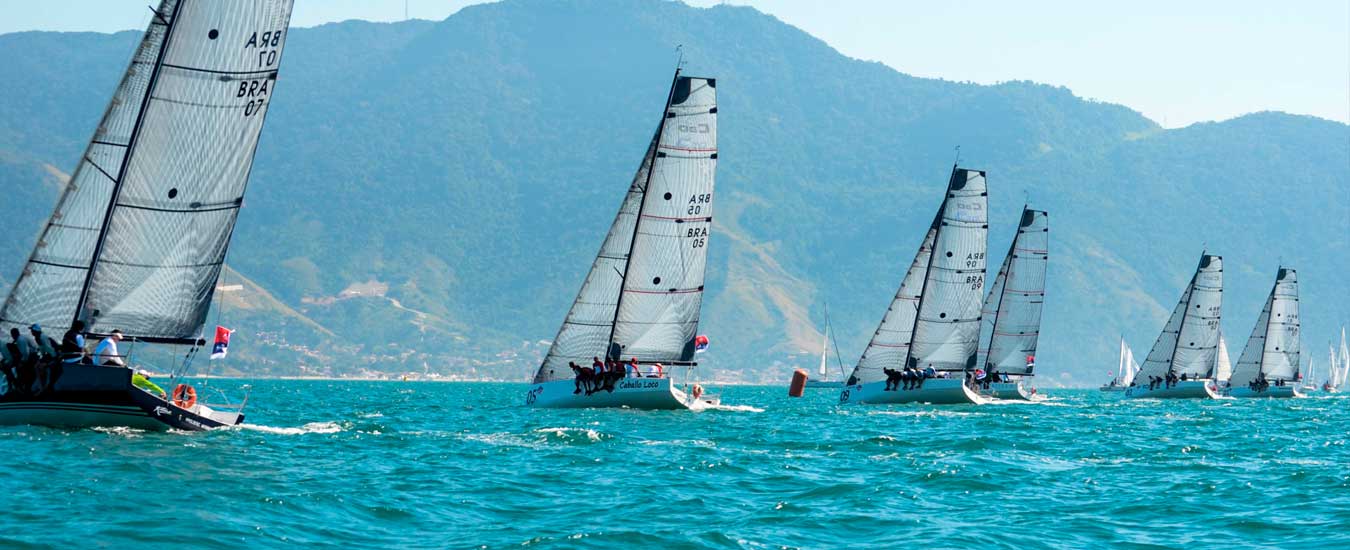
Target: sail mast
1004,274
131,151
1190,294
923,289
637,221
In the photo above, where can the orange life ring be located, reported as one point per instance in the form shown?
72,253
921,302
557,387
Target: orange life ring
184,396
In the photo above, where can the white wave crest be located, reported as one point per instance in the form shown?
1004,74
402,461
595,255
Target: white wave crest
310,428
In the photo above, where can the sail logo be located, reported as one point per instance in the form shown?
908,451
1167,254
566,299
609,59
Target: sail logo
694,128
160,410
969,212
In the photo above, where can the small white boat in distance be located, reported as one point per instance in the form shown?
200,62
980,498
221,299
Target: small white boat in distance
824,380
639,305
1181,363
1011,315
933,324
1125,369
1268,366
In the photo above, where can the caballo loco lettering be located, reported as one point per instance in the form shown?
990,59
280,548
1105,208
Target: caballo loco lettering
638,384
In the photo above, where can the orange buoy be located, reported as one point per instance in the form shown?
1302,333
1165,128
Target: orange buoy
798,383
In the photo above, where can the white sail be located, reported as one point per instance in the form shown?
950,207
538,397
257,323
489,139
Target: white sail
1223,366
658,310
1272,351
140,233
1343,360
1189,340
643,294
1333,367
934,318
824,347
1131,367
1011,317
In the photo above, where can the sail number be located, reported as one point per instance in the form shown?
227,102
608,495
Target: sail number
697,202
699,236
267,44
974,259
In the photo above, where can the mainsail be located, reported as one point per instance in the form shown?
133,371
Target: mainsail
934,319
643,294
1130,365
1272,351
1189,341
1344,361
824,350
1012,311
139,234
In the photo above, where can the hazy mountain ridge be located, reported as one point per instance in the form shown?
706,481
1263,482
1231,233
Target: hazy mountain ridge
473,165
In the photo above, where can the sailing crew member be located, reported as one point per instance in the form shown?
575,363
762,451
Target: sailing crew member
72,344
24,349
106,351
893,378
141,379
633,364
582,376
46,345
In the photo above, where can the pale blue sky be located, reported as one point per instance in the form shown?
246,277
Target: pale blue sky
1177,61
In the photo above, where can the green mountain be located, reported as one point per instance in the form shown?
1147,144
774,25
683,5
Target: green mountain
429,195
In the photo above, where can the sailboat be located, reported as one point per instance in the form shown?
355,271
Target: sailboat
1186,348
1338,366
642,297
1012,311
1308,379
934,320
1223,364
1268,366
824,371
1126,368
140,232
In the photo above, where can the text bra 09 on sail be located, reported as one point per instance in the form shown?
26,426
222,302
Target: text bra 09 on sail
630,337
138,238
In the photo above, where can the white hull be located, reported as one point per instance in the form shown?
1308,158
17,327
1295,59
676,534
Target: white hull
634,393
1110,388
937,391
1013,391
1188,389
1272,391
810,384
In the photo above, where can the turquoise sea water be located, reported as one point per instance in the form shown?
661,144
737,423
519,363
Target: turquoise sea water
438,465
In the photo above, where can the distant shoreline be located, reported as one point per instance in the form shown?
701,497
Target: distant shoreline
462,381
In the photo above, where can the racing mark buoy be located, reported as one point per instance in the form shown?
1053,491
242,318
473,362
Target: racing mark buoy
798,385
184,396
